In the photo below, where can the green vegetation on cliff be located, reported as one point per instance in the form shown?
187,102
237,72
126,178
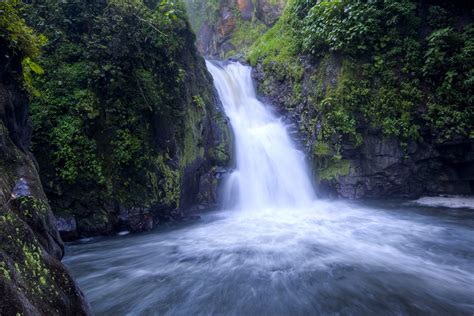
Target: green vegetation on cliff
228,28
403,67
21,40
32,279
116,123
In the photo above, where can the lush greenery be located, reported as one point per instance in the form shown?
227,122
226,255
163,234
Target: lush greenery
121,82
21,41
390,76
230,34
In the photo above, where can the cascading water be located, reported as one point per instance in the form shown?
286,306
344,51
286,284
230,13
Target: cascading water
270,172
286,253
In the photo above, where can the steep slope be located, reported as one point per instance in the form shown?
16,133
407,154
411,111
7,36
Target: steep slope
32,279
127,129
228,28
381,93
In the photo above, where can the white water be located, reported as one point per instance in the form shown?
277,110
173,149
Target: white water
282,252
270,171
446,201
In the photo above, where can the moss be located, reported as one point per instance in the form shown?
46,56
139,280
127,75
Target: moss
335,168
168,187
26,258
321,149
5,271
31,205
34,266
230,54
278,48
193,147
246,33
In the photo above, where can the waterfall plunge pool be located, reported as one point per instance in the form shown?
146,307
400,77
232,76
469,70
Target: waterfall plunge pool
336,258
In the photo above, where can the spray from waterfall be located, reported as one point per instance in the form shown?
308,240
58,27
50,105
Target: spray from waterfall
270,171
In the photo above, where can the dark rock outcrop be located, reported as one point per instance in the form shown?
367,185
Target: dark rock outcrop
32,279
382,168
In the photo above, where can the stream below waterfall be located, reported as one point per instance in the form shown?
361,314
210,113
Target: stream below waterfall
276,249
336,258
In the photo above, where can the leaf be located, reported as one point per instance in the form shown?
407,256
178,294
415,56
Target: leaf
36,68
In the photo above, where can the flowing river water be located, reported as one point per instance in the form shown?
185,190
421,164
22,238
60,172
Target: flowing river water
275,249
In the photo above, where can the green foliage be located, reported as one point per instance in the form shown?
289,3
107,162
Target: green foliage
321,149
4,271
30,205
330,169
20,38
21,41
449,69
276,45
389,78
246,33
113,99
353,27
74,153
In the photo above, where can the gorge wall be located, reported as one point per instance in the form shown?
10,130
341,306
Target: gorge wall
127,127
32,279
228,28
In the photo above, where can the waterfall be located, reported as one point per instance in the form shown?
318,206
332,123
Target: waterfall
270,171
283,252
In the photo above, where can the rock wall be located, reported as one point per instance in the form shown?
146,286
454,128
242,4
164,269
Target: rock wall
380,167
33,280
227,28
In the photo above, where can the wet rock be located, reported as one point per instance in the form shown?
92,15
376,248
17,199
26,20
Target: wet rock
100,222
67,228
33,281
203,43
228,23
246,9
141,221
227,47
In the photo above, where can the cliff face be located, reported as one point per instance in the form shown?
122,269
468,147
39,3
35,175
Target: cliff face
128,131
383,110
229,27
32,279
380,167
